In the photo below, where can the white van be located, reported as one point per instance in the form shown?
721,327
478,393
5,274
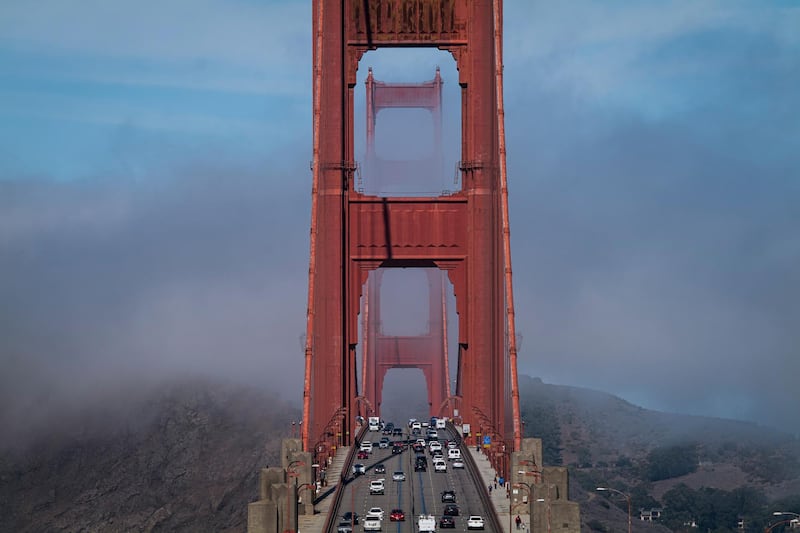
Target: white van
441,423
374,423
453,453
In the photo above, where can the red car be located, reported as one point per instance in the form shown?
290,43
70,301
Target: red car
363,455
397,515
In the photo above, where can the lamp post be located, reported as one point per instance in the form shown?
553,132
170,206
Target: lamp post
298,490
787,521
290,472
776,524
529,490
627,497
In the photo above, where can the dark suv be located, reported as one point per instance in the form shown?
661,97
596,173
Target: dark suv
447,522
451,509
350,517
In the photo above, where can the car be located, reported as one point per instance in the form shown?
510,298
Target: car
344,527
439,466
451,509
350,517
399,476
397,431
475,522
458,463
380,468
449,496
362,454
420,467
452,444
375,512
372,524
376,486
397,449
447,522
435,446
366,446
425,523
359,469
397,515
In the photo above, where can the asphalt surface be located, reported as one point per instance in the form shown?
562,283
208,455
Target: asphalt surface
419,494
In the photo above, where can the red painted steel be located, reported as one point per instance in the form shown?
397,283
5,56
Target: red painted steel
356,233
426,352
516,417
382,95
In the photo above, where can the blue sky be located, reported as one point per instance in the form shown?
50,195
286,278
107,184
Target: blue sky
154,194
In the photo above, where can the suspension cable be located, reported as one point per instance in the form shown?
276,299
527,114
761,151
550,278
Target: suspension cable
312,262
501,133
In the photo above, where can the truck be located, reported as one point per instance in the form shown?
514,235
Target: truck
426,523
374,423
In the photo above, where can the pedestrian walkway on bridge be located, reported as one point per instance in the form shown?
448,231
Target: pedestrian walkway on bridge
316,522
500,495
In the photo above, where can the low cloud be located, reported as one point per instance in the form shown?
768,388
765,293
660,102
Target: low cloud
124,282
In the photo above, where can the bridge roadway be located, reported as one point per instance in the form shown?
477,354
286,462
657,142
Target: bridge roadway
419,494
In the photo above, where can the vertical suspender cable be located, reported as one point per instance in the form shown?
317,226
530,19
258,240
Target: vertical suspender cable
445,347
501,133
366,335
312,262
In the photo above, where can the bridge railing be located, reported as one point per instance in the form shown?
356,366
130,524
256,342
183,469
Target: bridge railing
475,474
330,522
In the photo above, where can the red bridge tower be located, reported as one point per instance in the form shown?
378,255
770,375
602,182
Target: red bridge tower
464,234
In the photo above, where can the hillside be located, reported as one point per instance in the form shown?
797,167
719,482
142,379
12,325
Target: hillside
609,442
184,457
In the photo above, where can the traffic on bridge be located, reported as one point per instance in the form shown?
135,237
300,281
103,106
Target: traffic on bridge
409,479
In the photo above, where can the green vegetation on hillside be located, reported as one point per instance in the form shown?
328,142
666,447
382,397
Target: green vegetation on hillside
672,461
540,419
714,509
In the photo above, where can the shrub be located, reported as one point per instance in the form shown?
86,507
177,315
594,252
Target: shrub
670,462
597,525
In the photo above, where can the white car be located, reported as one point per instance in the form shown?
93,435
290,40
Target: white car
426,523
475,522
376,486
366,446
375,512
435,446
372,524
440,466
399,476
458,463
